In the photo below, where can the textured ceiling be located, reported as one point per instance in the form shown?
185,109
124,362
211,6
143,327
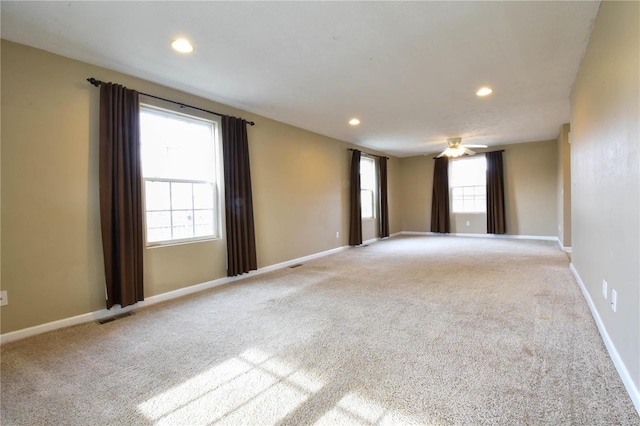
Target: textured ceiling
408,70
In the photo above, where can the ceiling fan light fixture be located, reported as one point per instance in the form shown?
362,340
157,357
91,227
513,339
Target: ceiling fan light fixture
454,152
455,149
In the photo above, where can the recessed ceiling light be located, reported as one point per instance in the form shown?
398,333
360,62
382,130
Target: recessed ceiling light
182,45
354,121
484,91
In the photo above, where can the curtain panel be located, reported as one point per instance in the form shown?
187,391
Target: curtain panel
384,204
241,240
496,220
440,221
355,212
120,179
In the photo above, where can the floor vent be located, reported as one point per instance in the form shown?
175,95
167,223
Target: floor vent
295,266
113,318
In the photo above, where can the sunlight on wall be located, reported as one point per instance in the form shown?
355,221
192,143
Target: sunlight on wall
258,388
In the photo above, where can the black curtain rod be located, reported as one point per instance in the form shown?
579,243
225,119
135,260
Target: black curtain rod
366,153
486,152
97,83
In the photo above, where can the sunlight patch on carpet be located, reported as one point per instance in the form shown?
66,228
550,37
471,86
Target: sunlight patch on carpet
254,385
361,407
354,409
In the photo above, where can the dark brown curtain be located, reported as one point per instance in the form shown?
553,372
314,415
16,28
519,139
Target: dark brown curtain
384,204
495,194
355,218
238,201
440,221
121,194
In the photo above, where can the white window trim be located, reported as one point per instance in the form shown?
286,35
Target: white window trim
374,195
466,211
451,189
182,240
171,110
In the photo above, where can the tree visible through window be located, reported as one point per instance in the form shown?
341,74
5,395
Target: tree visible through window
367,187
467,181
179,167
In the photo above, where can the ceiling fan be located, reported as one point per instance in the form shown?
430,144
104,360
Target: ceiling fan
456,149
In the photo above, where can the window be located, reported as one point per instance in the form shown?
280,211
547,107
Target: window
180,155
367,187
467,180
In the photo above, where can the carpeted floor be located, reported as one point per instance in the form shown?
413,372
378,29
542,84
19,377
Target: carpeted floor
410,330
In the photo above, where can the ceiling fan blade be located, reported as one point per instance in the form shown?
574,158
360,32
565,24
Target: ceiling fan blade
476,146
468,151
442,154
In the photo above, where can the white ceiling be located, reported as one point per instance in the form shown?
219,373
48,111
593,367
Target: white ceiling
408,70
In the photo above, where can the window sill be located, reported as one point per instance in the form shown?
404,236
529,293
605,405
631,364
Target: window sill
181,242
469,213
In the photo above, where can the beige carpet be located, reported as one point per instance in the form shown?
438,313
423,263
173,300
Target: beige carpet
410,330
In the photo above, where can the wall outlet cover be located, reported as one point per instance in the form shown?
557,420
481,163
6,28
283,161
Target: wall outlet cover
614,300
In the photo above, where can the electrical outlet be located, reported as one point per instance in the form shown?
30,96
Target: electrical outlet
614,300
337,234
4,299
468,223
605,293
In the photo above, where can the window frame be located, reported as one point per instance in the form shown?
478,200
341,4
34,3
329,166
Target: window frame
373,189
170,110
474,197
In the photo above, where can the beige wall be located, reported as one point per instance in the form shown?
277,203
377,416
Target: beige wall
416,175
530,171
469,223
564,187
51,246
530,188
605,163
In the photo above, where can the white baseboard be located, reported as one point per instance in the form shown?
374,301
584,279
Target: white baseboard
116,310
633,391
563,248
506,236
292,262
419,233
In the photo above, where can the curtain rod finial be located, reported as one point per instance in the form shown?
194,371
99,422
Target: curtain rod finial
94,81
